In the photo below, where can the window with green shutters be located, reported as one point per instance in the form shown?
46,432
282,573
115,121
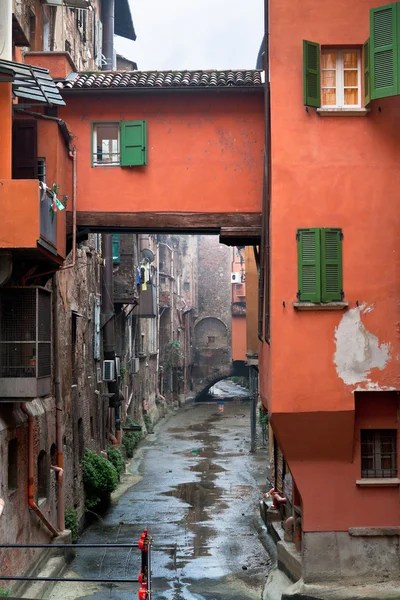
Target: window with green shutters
381,62
133,143
384,50
116,243
311,74
320,265
367,74
119,143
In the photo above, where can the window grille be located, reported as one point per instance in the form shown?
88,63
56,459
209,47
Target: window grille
42,170
25,333
378,453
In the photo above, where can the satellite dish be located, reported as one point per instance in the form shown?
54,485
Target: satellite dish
148,254
6,265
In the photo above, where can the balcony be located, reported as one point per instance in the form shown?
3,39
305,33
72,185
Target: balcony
25,343
27,222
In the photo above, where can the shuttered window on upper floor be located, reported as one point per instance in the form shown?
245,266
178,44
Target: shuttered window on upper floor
320,265
379,71
119,143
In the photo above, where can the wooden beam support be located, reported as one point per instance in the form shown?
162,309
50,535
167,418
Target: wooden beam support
235,229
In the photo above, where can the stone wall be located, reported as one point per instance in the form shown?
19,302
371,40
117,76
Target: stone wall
213,326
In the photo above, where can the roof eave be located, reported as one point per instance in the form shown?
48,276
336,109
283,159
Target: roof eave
117,90
123,25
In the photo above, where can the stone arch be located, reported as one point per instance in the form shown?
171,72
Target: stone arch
212,358
210,327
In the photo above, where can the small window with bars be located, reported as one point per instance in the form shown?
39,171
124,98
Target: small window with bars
42,169
378,453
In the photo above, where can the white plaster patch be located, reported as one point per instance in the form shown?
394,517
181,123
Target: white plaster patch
357,350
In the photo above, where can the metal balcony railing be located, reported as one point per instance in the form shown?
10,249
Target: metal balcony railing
48,219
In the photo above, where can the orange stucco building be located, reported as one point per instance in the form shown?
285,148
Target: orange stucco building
238,300
330,374
198,139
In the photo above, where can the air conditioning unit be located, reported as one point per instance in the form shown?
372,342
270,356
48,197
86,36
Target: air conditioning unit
108,370
236,277
117,366
135,365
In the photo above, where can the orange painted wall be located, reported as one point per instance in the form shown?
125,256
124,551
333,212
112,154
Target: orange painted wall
238,338
205,152
6,129
252,341
20,213
330,172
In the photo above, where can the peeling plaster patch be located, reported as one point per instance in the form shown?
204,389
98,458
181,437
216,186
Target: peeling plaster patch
367,309
357,350
372,386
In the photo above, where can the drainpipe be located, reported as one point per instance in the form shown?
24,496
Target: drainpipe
31,480
109,327
107,17
59,408
185,323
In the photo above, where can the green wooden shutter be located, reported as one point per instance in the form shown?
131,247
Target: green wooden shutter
116,242
331,265
311,74
384,48
133,143
309,261
367,79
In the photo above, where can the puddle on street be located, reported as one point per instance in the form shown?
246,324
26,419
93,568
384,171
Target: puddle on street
205,466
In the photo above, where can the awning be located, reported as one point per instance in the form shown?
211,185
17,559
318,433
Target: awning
32,83
123,24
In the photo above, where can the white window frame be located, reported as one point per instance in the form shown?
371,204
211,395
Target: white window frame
340,78
96,124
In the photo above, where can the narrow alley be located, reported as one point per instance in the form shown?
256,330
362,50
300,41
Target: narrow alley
197,491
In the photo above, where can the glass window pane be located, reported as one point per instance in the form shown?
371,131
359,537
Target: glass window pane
328,96
351,78
107,147
351,96
328,78
328,60
350,60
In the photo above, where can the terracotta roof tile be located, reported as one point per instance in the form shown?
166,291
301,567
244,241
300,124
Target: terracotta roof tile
162,79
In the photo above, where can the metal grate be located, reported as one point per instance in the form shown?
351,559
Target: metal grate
378,453
25,332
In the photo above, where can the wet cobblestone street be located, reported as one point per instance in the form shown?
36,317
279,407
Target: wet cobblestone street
197,493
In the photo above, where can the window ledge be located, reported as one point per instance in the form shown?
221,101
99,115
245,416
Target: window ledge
374,531
343,112
378,482
96,165
320,305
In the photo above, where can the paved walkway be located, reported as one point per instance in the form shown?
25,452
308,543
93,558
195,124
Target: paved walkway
198,496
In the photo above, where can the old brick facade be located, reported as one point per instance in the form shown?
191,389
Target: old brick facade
213,326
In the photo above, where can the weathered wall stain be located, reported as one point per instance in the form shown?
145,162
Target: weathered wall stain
357,349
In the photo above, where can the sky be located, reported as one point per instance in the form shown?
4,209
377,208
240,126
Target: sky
194,34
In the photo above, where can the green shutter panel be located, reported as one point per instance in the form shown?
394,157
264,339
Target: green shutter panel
133,143
116,242
384,50
309,261
367,79
331,265
311,74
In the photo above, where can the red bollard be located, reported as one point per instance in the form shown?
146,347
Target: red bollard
142,593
